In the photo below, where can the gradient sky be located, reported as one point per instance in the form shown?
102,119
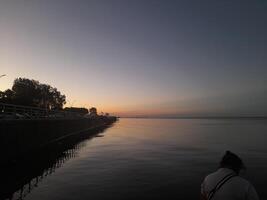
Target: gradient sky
141,58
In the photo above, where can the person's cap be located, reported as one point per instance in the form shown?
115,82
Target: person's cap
231,159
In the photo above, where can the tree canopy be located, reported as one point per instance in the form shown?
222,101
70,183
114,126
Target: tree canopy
93,111
32,93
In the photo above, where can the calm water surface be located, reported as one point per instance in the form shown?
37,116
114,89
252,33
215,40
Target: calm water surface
150,158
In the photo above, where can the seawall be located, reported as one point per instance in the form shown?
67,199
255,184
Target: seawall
21,137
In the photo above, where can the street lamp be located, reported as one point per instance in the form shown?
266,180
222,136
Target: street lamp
2,75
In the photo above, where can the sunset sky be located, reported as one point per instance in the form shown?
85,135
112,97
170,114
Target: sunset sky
141,58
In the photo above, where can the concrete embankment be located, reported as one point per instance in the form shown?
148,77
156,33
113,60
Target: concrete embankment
21,137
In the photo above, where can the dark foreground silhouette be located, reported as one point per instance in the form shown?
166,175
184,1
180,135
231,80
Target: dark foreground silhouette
226,183
21,177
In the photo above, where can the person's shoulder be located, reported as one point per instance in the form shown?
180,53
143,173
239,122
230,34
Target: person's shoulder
211,175
247,187
208,176
242,180
217,173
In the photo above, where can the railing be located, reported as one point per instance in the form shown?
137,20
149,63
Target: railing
10,111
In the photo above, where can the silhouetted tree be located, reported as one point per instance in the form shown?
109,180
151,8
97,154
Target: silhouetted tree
25,92
7,96
93,111
32,93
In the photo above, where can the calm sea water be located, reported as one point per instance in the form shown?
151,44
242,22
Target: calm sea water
152,158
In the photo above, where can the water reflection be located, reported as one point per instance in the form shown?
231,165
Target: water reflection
20,178
140,159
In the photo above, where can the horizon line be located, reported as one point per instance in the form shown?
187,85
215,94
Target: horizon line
197,117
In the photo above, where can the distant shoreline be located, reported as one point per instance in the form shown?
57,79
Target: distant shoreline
211,117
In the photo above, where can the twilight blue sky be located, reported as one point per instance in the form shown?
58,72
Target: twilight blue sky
141,58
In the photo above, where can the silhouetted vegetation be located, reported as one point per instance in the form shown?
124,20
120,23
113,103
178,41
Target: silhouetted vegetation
27,92
93,111
32,93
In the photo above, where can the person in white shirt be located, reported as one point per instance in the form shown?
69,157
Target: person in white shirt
226,184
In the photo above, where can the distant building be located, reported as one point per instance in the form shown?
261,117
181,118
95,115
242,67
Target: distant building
81,111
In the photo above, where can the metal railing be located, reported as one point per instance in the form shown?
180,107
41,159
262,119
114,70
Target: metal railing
10,111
